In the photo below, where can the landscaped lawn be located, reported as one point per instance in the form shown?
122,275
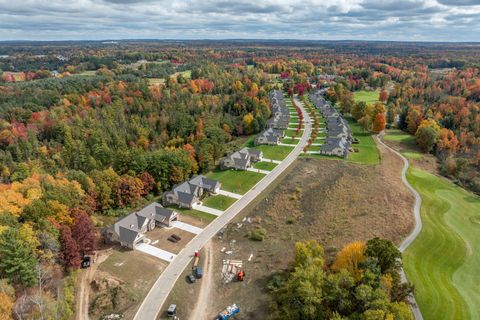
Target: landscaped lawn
290,141
202,216
219,202
274,152
399,136
263,165
289,133
368,152
444,261
236,181
366,96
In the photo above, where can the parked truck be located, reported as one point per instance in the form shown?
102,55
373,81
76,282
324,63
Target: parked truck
228,312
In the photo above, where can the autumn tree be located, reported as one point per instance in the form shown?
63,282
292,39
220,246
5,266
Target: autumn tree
128,191
350,257
70,250
385,252
383,96
83,231
379,123
414,117
427,134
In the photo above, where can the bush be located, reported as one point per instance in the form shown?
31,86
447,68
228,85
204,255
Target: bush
258,234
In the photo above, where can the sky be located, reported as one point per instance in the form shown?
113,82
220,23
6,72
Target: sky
399,20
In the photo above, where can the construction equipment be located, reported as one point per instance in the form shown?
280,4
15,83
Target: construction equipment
197,272
231,269
240,275
196,259
228,312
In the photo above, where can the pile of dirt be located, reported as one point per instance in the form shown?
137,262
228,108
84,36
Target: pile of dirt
109,295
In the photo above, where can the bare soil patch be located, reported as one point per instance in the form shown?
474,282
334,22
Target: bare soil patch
332,201
159,238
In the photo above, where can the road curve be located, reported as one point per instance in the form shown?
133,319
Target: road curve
418,220
153,302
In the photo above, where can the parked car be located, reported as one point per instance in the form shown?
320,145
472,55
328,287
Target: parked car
172,310
197,271
86,261
191,278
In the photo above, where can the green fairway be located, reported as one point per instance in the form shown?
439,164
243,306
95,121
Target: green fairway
263,165
444,262
366,96
275,152
236,181
219,202
367,149
399,136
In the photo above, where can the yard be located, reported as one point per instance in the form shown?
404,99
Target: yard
236,181
367,148
204,217
263,165
274,152
443,262
289,140
366,96
219,201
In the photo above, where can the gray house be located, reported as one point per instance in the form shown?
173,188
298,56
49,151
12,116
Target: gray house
241,160
189,193
269,136
130,230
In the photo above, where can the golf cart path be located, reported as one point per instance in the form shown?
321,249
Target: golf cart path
418,220
153,302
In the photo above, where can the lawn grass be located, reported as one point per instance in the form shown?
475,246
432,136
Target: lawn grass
275,152
236,181
200,215
443,262
399,136
367,149
155,81
366,96
263,165
289,133
291,141
219,202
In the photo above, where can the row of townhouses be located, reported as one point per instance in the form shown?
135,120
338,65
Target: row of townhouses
278,121
339,135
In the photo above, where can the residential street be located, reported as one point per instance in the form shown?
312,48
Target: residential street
153,302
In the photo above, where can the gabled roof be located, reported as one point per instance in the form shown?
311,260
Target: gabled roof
204,182
128,235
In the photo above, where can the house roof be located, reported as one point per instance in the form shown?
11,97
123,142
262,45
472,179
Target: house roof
128,235
204,182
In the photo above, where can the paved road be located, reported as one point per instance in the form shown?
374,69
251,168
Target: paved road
418,221
152,304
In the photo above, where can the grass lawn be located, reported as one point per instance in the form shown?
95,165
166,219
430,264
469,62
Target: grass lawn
314,148
290,141
87,73
444,261
368,152
289,133
274,152
200,215
366,96
236,181
263,165
407,142
156,81
219,202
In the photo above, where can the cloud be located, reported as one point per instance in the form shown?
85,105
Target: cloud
437,20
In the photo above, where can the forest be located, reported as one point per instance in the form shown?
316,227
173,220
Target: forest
90,129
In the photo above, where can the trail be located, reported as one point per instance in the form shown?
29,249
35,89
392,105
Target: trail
418,220
86,277
200,311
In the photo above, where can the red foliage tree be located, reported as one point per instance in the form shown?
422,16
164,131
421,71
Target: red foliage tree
83,231
147,181
70,250
128,190
378,123
383,96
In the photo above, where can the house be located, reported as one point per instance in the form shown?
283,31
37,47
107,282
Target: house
130,230
241,160
269,136
335,147
280,114
189,193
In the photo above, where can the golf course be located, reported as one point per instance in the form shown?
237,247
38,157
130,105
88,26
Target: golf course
444,262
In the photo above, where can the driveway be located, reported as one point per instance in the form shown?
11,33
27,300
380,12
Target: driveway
201,207
271,160
230,194
186,227
152,304
156,252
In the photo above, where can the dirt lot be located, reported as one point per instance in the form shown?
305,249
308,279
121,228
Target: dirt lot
332,201
159,238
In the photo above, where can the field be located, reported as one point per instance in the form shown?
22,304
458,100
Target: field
405,139
367,148
443,262
326,200
263,165
236,181
219,202
366,96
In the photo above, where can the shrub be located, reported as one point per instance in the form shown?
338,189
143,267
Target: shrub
258,234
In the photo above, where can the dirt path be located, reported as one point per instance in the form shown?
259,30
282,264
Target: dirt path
86,277
200,311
